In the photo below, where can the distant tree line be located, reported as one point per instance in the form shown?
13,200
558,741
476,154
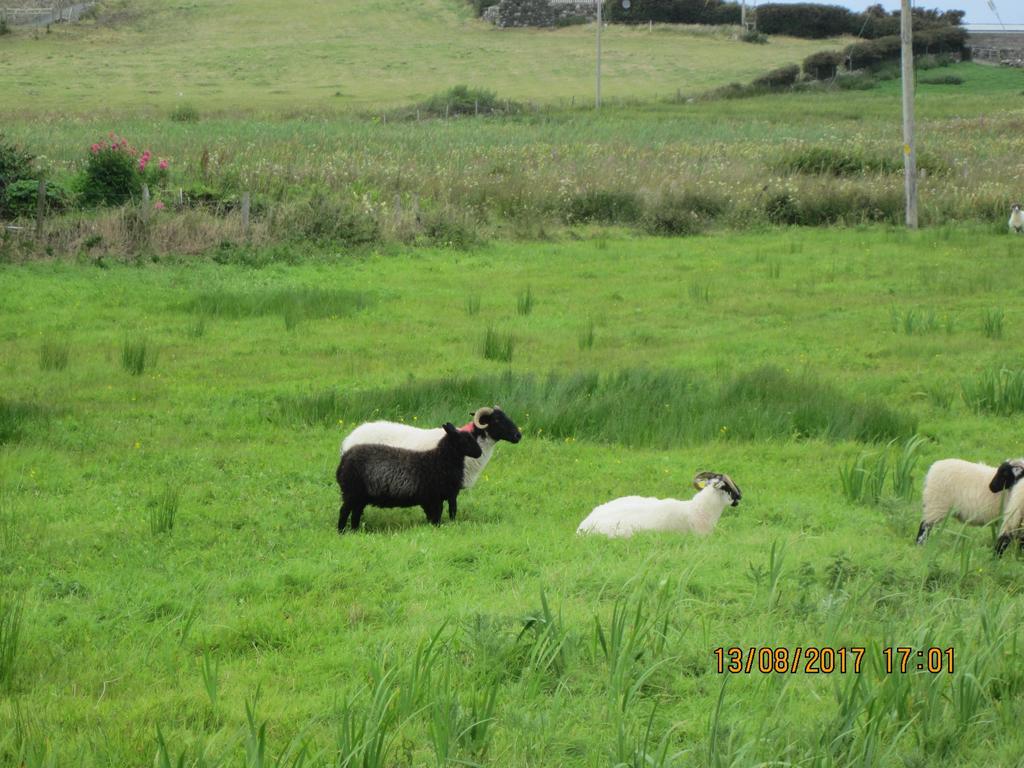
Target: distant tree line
811,20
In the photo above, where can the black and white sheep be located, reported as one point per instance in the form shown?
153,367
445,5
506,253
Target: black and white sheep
385,476
621,518
970,491
1005,481
489,426
1016,223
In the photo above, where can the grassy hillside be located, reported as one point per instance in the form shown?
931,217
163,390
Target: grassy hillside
225,55
749,355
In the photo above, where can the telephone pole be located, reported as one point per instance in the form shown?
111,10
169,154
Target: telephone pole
909,148
597,96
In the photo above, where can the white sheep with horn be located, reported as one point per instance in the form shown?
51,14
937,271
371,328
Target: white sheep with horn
621,518
489,426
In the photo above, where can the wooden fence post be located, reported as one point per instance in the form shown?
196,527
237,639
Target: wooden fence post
40,208
145,202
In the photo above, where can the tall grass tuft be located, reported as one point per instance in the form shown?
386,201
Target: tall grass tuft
15,418
700,292
300,302
498,346
136,355
315,408
8,522
163,510
366,732
903,480
197,329
53,355
10,638
473,306
524,302
586,336
992,324
636,407
999,392
209,670
863,479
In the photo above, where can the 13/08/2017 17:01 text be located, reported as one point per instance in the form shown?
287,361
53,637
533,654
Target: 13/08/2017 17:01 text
825,660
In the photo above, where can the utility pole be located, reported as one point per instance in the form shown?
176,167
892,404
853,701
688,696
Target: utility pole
743,14
909,149
597,97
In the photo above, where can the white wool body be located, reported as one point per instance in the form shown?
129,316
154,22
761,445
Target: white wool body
621,518
960,487
417,439
1016,223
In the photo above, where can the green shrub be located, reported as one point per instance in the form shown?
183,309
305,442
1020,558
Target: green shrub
861,81
685,214
22,197
753,36
837,162
5,28
115,172
15,165
806,20
328,220
185,113
450,228
783,77
605,206
941,80
463,100
834,205
823,65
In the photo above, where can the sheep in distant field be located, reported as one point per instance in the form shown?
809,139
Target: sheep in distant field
631,514
1016,219
968,490
489,426
385,476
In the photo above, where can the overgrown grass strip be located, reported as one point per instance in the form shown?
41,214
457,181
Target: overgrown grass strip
305,302
635,407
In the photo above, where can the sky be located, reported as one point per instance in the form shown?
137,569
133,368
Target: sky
978,11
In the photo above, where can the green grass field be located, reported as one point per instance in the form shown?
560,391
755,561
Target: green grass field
171,566
173,392
312,57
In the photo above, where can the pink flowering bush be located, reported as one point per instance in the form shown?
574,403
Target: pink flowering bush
115,172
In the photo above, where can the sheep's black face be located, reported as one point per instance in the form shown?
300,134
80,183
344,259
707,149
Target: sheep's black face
464,442
732,489
1006,476
500,427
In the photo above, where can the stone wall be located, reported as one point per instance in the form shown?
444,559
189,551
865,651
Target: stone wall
538,13
1006,48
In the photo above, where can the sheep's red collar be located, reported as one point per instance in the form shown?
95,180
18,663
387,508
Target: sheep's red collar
466,427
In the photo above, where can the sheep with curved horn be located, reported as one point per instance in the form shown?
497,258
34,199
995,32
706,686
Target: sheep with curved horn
621,518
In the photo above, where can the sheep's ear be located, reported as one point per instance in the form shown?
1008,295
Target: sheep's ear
450,428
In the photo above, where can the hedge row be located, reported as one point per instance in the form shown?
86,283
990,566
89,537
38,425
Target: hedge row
871,53
809,20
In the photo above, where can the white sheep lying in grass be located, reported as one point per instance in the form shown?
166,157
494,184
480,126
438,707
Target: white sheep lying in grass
630,514
966,489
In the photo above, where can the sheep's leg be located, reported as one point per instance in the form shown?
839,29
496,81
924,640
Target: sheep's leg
451,507
343,516
922,532
357,515
1002,543
433,512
